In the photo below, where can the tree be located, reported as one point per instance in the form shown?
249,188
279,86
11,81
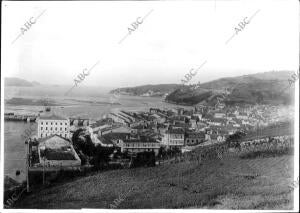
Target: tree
162,152
101,156
83,142
232,140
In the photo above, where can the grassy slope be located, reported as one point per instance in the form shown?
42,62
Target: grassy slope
233,183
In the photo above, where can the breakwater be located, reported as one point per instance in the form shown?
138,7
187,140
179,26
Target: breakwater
13,117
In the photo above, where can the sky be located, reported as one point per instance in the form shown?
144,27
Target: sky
174,38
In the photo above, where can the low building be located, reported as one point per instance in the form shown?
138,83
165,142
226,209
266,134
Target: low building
141,144
194,138
219,115
173,138
201,126
231,116
242,116
154,110
103,141
198,115
131,143
156,118
56,151
217,138
117,118
193,123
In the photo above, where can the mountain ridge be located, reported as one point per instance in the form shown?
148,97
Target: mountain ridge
252,88
19,82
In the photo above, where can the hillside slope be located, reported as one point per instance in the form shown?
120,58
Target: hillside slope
268,87
18,82
157,90
229,183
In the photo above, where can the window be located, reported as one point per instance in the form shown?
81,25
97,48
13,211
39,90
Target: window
42,123
66,128
65,135
46,128
55,128
56,123
51,128
41,128
51,123
46,123
60,123
65,123
60,128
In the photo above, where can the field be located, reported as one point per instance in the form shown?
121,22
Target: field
226,183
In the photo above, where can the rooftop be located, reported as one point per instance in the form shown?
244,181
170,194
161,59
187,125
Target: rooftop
116,135
52,117
175,131
56,148
105,140
195,135
141,140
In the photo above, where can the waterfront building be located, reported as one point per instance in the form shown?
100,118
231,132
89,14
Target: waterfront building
53,124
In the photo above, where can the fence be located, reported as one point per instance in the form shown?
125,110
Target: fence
273,145
279,145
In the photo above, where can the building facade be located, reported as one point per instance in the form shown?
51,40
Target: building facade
53,124
194,138
173,138
137,145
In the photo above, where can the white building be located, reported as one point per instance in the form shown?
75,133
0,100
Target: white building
219,115
53,124
138,145
173,138
193,123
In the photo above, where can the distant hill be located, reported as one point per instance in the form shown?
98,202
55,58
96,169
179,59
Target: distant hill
35,83
188,96
147,90
267,87
18,82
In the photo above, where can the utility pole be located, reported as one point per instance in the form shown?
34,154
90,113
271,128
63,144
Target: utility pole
27,163
43,170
